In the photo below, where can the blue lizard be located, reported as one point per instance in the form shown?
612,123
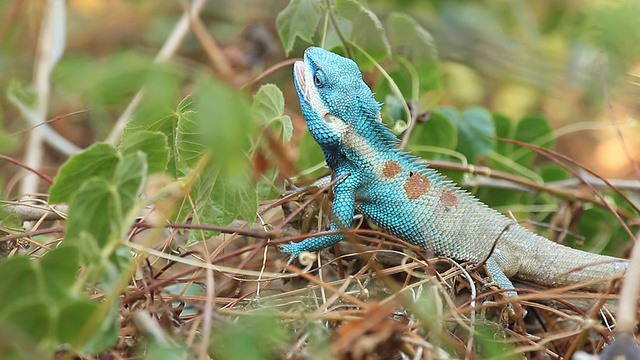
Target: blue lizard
402,195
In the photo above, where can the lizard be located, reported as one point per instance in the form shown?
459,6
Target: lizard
401,194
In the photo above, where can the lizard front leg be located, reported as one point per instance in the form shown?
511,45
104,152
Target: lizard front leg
343,210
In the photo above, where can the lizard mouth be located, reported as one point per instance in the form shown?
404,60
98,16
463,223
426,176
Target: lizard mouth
298,69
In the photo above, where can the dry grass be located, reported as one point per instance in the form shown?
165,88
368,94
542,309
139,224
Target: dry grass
378,300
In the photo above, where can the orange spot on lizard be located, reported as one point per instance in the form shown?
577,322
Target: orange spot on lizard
391,169
417,185
448,199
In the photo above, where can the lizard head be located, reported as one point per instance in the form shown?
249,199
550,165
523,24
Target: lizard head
333,96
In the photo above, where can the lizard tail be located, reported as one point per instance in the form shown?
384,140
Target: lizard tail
553,264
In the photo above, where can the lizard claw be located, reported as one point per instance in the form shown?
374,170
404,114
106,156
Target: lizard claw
293,249
298,251
487,285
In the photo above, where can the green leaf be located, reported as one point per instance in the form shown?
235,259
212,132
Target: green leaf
167,124
200,196
188,138
225,121
163,85
101,206
230,202
438,131
474,129
268,106
268,103
416,45
266,186
32,318
18,283
299,19
185,108
97,160
287,128
158,350
38,297
367,32
107,271
114,79
597,233
223,126
554,172
25,305
260,336
332,39
410,39
220,201
91,330
393,109
29,290
59,269
128,179
153,144
492,343
95,209
534,130
504,129
81,312
496,198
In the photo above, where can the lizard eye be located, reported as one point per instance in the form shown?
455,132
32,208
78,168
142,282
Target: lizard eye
317,80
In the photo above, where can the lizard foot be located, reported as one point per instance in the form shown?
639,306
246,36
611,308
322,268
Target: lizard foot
488,284
297,251
293,249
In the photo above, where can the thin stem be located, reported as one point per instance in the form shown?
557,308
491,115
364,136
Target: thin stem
325,29
334,22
